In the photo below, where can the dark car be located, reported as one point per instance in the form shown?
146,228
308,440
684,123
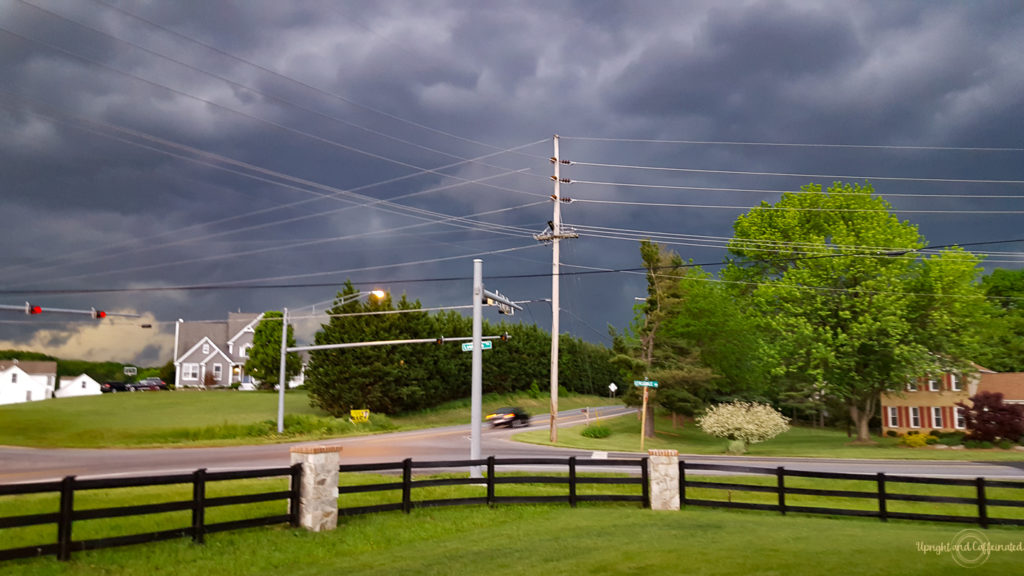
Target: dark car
150,384
115,387
510,416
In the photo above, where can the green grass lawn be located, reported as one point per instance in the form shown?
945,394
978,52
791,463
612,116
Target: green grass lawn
551,540
797,442
213,418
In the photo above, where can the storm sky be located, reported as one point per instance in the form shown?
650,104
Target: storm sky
224,146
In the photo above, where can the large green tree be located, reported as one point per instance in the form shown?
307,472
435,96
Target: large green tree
264,362
1002,347
850,304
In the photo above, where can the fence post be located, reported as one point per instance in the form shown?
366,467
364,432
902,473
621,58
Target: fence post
645,483
682,482
199,506
780,473
663,479
295,500
66,517
982,503
883,508
318,486
490,480
407,485
572,481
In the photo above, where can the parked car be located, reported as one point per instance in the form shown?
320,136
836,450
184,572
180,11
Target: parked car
510,416
114,387
151,383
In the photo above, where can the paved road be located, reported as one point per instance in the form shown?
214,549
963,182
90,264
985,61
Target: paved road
451,443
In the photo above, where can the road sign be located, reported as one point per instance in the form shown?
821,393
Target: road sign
613,387
645,383
130,370
468,346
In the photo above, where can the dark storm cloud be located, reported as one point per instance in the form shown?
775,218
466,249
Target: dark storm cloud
110,178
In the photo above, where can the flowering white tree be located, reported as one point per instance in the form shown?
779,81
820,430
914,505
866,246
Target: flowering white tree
744,423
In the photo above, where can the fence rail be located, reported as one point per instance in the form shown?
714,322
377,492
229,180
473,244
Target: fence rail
67,515
882,493
492,479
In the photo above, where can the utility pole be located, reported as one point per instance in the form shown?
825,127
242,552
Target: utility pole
554,235
477,370
280,381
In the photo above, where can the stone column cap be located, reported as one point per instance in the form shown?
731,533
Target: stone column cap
315,449
663,452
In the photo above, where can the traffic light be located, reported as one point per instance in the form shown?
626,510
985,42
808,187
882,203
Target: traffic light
505,336
98,314
440,340
30,309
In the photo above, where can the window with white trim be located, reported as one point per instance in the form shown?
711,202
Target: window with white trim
206,348
245,350
933,385
911,386
936,417
915,417
961,419
954,383
894,417
217,371
190,371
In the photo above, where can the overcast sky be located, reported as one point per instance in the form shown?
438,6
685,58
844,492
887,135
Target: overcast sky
203,143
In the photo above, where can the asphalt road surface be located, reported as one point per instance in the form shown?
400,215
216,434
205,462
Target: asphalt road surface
451,443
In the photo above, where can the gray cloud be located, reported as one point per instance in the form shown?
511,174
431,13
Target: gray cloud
110,179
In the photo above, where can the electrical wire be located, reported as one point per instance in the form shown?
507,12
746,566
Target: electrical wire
794,145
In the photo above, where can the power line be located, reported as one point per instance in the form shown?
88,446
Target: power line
795,145
748,208
796,174
765,191
239,286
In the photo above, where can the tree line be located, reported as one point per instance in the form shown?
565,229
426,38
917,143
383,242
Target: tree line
401,378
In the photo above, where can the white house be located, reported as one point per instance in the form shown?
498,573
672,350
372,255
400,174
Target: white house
213,353
81,385
26,381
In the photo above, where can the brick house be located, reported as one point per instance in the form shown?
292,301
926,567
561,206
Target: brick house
930,404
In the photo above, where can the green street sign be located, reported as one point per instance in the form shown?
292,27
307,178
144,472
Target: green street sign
645,383
468,346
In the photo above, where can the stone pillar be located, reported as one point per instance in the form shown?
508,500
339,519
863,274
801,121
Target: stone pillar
318,500
663,475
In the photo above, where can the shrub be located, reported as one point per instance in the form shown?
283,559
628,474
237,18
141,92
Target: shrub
952,438
892,434
970,443
918,440
743,422
988,418
596,431
1005,444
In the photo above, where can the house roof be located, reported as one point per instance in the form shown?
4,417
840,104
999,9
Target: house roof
191,333
30,366
1011,384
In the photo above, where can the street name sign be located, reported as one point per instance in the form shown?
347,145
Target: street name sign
645,383
468,346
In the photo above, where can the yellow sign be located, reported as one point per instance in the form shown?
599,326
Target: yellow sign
359,416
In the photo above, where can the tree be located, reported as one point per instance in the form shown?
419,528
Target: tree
264,362
849,306
1002,346
989,419
743,423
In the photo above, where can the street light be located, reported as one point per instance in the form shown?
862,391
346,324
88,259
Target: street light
281,384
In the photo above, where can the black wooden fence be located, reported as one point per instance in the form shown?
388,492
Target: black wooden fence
492,479
67,515
777,495
884,493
